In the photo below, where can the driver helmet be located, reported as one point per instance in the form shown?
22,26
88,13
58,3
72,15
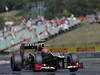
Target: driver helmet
46,50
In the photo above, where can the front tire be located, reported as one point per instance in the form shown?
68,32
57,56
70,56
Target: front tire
72,59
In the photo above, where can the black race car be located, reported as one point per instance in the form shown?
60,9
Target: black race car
37,58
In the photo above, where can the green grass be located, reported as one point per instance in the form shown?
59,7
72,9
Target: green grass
85,35
10,13
89,58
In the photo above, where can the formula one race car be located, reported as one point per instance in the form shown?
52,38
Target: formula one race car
37,58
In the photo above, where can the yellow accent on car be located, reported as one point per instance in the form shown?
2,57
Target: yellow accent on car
72,66
48,67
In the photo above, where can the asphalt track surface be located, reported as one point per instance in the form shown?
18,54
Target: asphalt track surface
91,67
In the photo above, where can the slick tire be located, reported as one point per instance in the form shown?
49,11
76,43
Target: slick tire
16,62
37,60
73,58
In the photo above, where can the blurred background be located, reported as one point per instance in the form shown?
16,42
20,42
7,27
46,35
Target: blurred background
75,21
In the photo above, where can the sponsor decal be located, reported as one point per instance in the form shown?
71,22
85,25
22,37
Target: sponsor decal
86,49
76,49
60,50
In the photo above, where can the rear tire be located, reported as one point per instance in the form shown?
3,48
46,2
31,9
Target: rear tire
16,62
37,60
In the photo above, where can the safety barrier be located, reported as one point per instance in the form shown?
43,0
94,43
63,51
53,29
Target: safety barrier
76,49
82,52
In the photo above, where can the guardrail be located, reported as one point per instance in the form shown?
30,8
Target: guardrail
76,49
82,52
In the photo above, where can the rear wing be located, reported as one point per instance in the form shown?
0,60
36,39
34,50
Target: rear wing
32,46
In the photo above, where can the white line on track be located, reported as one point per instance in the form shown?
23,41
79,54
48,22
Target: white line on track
4,62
